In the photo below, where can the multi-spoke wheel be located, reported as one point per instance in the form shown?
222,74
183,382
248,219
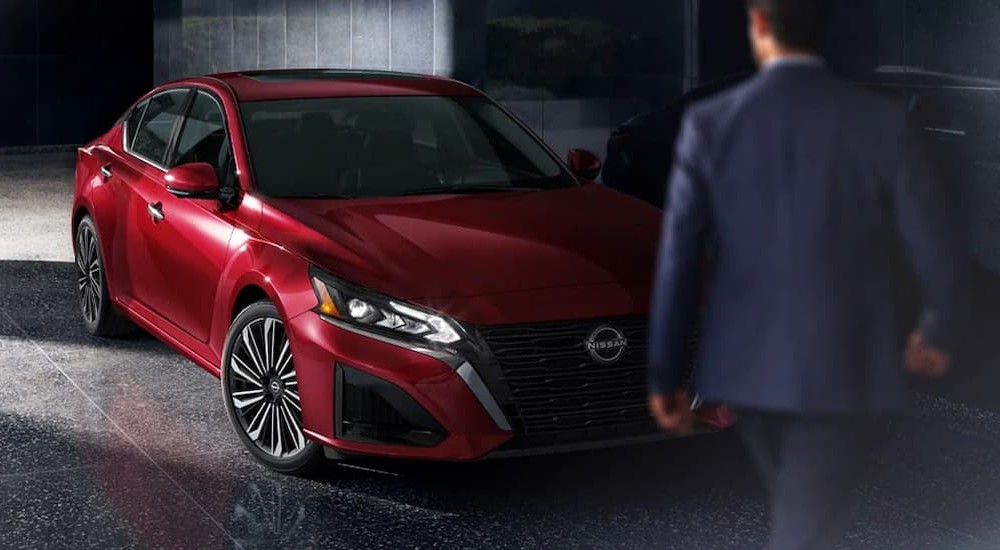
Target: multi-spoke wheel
262,392
99,315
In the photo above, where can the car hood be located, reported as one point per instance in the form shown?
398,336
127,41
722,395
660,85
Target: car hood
474,245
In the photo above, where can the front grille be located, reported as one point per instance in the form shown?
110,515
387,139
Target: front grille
557,388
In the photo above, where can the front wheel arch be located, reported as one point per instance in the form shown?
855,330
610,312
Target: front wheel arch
246,297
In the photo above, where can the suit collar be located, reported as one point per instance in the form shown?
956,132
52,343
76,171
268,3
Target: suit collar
788,61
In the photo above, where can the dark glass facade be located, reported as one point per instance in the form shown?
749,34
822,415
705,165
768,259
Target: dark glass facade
69,68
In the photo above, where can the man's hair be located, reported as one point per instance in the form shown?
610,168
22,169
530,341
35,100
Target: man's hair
797,23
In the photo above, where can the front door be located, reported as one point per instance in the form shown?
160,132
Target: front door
186,240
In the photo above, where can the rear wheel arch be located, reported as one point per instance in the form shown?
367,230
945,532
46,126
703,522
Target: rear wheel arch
78,215
105,232
100,315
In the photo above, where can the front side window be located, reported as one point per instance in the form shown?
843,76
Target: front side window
393,146
203,136
153,134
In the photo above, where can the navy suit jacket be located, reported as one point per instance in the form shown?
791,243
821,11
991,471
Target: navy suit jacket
812,199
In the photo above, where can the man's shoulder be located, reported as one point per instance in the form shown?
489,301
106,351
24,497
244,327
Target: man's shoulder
721,101
723,106
772,91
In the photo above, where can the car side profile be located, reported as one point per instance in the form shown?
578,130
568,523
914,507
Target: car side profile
373,264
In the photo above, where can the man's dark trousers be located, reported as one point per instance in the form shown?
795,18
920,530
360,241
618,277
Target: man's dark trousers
809,466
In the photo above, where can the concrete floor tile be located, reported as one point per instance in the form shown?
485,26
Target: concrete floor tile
124,503
46,423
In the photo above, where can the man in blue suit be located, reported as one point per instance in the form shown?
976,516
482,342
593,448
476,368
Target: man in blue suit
811,199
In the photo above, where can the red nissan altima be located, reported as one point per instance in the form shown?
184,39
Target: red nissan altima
373,264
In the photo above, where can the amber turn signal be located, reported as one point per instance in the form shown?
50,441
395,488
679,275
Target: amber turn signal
326,303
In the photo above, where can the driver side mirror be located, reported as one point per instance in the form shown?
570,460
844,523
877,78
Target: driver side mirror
584,164
195,180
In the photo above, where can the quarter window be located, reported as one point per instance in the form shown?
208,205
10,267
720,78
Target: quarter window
153,133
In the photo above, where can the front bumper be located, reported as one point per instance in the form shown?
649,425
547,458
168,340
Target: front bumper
412,403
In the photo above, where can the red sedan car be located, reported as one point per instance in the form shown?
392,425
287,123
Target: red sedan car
373,263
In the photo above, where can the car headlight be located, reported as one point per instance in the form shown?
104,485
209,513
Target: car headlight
378,313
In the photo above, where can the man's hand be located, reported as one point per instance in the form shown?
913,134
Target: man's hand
673,411
925,360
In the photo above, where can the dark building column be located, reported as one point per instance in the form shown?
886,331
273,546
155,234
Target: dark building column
469,40
722,46
64,83
692,63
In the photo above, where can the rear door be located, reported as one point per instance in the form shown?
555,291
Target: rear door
144,165
116,201
186,240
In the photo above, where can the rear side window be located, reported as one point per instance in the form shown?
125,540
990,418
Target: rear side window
132,122
153,133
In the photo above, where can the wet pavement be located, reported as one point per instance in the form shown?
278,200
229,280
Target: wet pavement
125,444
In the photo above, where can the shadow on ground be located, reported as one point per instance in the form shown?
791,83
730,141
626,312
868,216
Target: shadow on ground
136,452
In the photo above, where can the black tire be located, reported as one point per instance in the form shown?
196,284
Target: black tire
268,418
100,316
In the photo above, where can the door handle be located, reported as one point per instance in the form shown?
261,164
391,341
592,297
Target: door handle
106,172
155,211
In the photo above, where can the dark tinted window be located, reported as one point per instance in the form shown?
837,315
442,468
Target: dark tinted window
132,122
389,146
153,133
203,137
963,140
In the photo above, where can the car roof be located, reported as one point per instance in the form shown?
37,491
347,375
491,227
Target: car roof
902,75
272,84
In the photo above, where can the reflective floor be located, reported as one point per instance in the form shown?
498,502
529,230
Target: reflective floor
124,444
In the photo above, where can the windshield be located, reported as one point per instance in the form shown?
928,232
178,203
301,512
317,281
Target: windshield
392,146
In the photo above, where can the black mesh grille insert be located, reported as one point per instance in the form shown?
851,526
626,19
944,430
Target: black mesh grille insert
557,387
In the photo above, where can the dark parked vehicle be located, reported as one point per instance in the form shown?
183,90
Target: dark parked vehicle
962,142
640,151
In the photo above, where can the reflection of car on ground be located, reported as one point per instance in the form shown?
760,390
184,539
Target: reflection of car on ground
374,263
959,117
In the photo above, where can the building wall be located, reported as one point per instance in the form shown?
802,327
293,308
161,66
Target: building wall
56,55
66,70
571,69
208,36
574,70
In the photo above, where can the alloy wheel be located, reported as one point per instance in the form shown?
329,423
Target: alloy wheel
264,391
90,276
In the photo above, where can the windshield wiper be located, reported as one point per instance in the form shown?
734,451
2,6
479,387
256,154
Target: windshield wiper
459,189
